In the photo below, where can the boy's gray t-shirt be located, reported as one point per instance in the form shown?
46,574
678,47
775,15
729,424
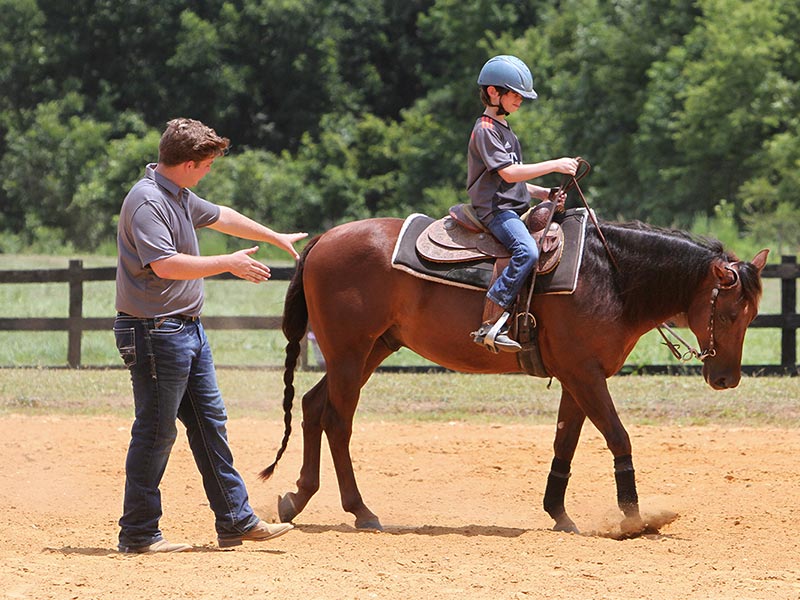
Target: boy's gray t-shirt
493,146
158,220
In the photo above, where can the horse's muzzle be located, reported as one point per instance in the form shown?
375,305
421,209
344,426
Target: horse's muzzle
721,379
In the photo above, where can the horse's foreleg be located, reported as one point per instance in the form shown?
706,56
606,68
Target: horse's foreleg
627,497
292,504
595,401
568,431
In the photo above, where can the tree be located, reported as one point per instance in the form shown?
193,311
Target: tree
46,161
22,51
94,210
115,53
713,104
344,110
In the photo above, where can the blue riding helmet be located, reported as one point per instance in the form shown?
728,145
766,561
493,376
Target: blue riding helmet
509,72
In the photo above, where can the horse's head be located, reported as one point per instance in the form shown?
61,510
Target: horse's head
719,314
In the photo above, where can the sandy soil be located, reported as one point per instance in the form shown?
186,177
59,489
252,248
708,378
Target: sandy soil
461,504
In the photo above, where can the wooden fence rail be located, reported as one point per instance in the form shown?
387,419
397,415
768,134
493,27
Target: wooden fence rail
788,321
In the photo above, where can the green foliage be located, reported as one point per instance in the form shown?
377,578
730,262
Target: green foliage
111,176
722,225
47,160
346,110
725,92
780,226
22,51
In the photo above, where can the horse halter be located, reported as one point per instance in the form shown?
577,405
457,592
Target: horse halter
692,352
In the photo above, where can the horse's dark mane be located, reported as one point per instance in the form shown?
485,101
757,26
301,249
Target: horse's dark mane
657,266
711,244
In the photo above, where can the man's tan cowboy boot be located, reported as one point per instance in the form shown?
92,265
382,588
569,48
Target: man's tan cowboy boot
160,546
260,533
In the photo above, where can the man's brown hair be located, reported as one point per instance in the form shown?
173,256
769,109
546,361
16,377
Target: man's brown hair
187,139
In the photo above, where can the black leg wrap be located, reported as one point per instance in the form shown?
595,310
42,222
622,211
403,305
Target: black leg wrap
561,466
627,498
556,488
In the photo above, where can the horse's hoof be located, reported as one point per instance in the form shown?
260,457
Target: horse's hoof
287,511
633,526
371,524
566,525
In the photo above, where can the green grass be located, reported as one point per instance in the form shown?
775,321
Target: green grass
244,348
438,397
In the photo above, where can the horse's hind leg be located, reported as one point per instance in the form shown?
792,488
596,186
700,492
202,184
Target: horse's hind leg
345,380
568,431
292,504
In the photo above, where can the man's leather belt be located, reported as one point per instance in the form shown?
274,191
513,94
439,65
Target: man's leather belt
187,318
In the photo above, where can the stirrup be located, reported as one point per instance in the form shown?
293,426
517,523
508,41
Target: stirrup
487,336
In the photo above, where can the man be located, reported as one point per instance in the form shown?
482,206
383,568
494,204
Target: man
162,342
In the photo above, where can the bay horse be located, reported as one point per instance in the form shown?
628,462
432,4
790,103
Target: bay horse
361,310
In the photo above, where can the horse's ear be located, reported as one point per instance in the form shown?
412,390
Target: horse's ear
760,259
726,276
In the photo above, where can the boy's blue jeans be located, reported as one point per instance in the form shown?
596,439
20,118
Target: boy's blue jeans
173,377
509,229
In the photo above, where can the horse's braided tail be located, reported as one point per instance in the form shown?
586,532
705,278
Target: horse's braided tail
295,321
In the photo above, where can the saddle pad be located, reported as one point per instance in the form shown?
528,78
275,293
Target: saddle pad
477,275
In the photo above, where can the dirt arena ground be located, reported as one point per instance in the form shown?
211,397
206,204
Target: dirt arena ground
461,504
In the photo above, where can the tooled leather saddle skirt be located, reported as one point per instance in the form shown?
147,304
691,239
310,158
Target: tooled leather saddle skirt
461,237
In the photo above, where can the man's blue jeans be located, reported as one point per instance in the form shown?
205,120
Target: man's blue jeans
173,377
509,229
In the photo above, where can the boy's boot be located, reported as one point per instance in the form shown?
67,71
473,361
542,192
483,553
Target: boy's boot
493,332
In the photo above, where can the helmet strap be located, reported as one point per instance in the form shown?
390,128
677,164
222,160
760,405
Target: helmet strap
501,91
500,110
499,106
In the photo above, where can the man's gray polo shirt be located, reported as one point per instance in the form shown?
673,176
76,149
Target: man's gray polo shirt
158,220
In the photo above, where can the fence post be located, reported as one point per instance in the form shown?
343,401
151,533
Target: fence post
75,327
303,359
788,307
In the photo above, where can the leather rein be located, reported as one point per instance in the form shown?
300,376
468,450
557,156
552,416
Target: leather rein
692,352
571,181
